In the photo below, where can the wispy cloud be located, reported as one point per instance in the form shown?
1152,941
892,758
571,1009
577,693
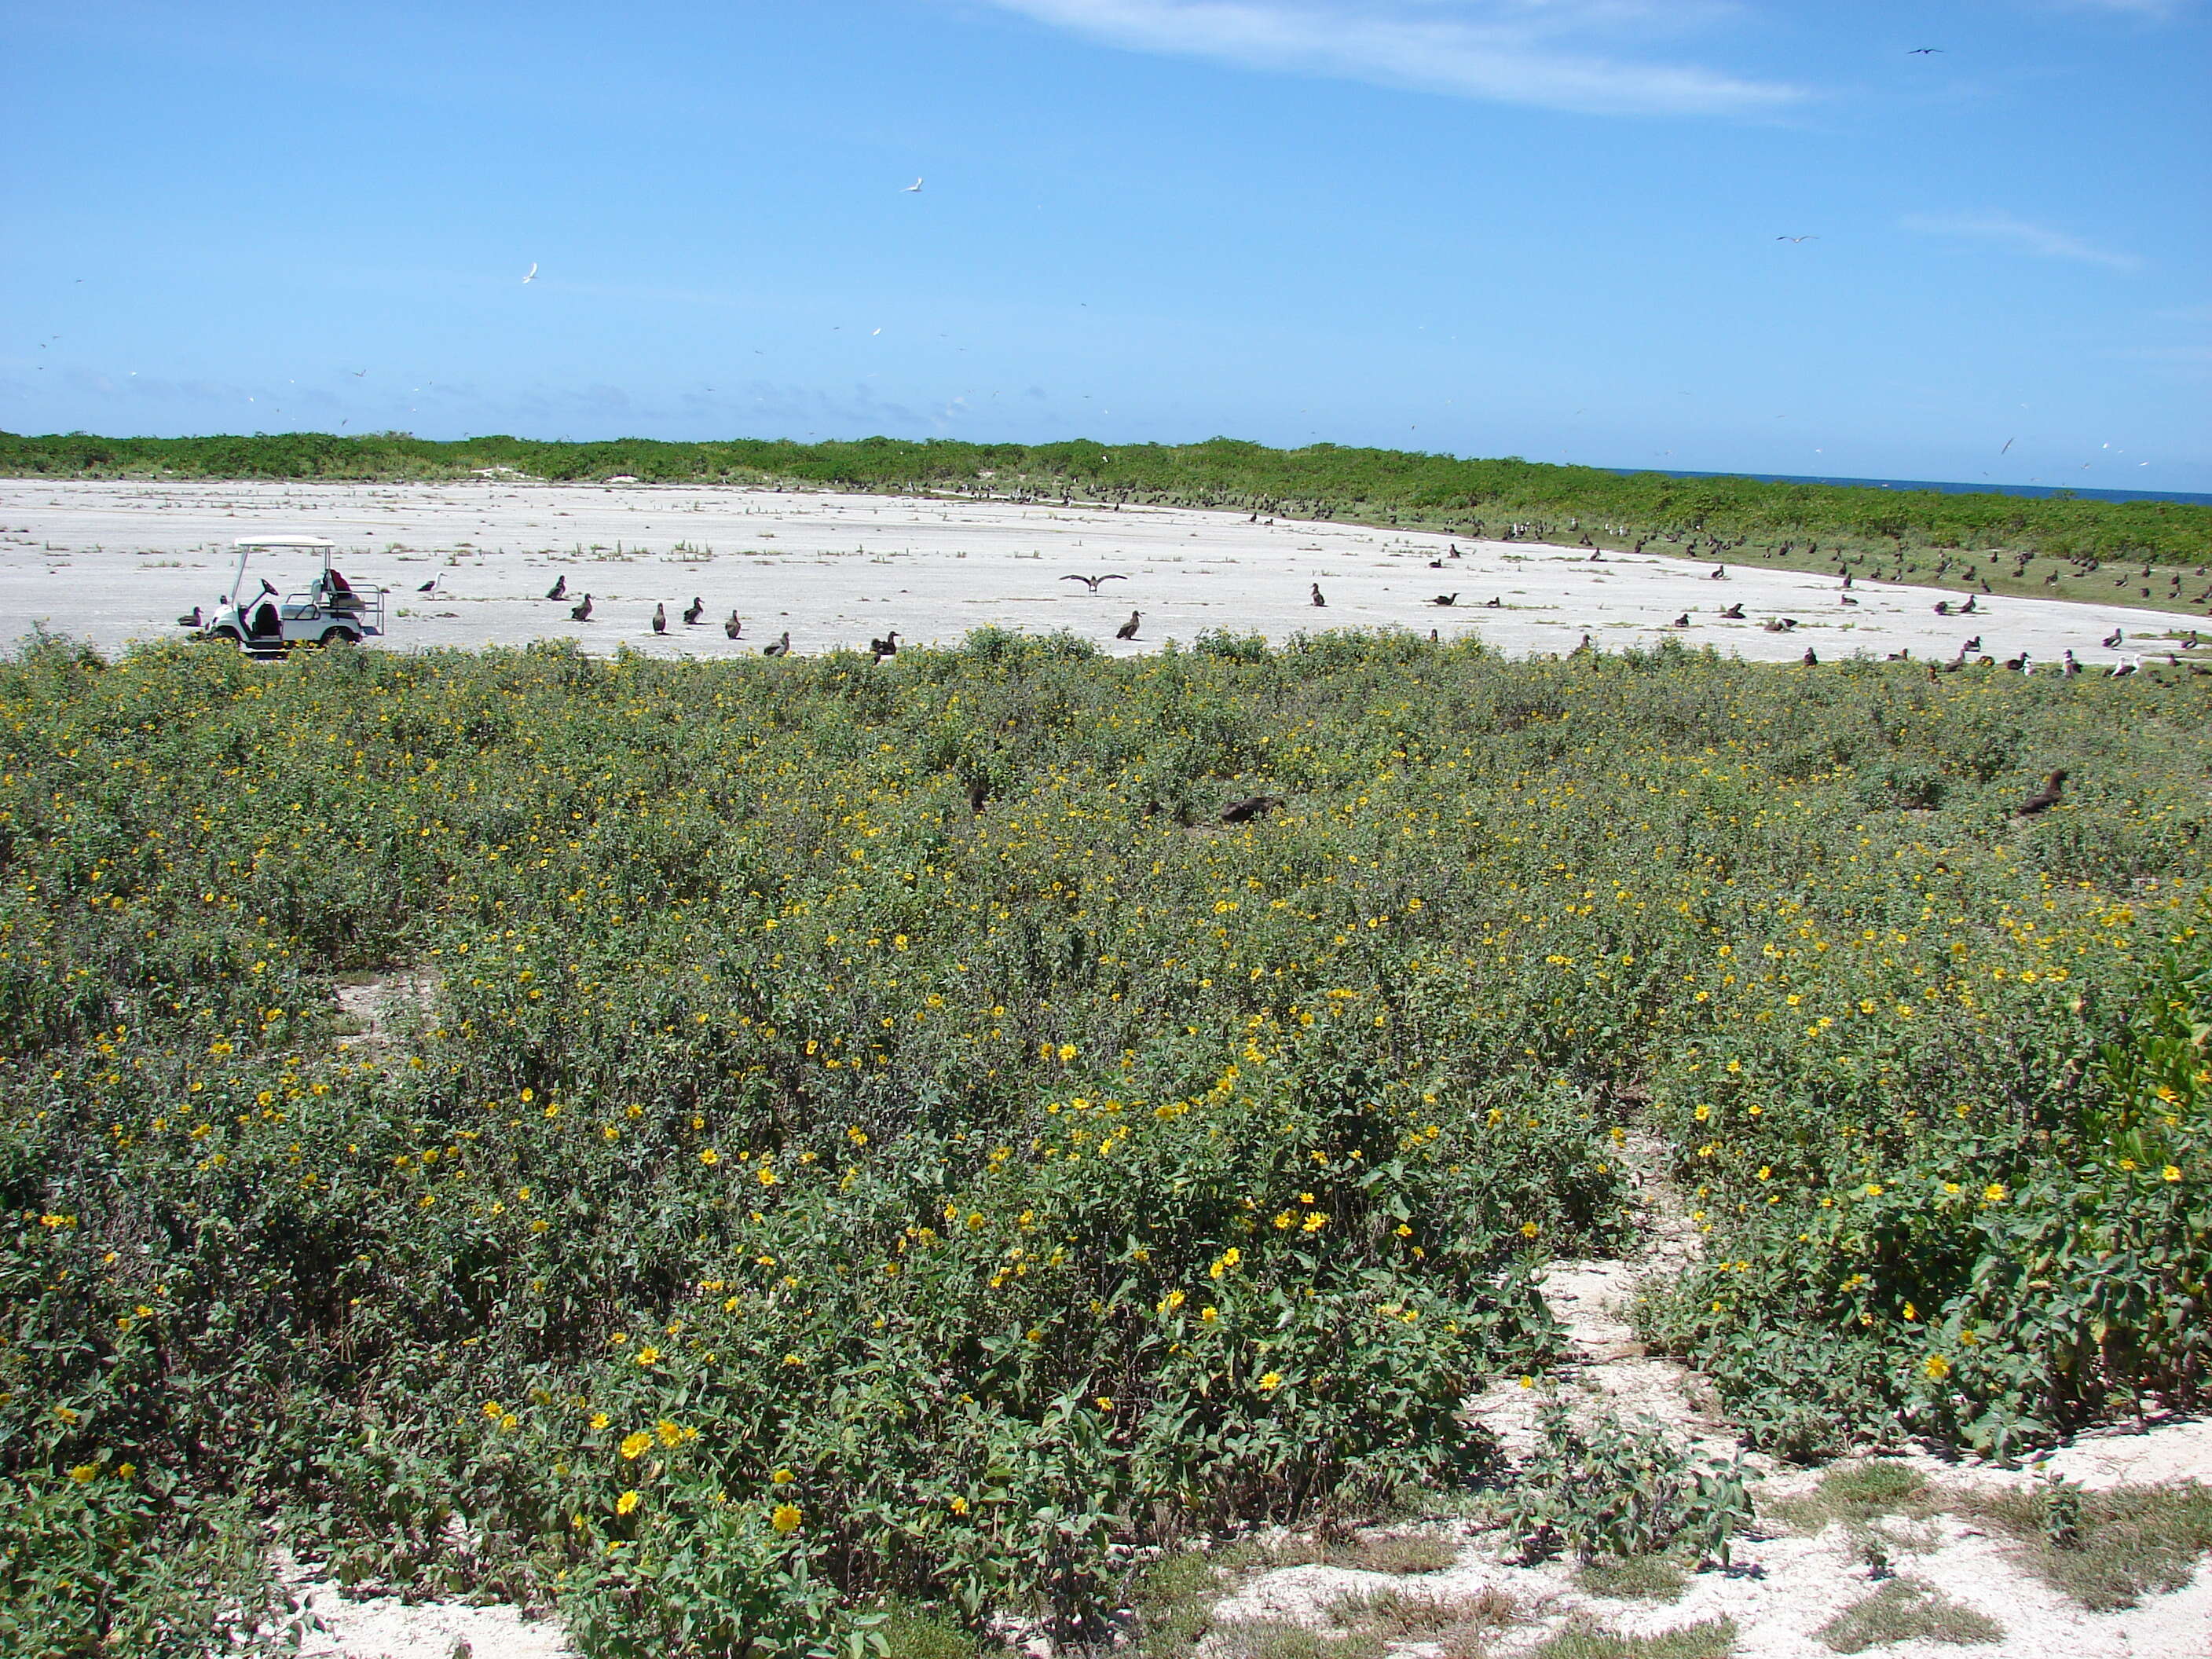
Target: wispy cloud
2018,233
1558,54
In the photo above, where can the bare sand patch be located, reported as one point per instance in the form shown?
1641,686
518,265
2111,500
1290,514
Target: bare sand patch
114,560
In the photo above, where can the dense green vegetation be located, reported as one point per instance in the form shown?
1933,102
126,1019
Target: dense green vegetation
1744,517
874,1135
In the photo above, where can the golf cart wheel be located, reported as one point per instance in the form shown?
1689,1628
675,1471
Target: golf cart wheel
336,635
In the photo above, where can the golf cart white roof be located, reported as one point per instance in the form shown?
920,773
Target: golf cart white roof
315,543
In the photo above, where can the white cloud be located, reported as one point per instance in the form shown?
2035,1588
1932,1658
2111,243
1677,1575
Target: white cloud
1558,54
2038,239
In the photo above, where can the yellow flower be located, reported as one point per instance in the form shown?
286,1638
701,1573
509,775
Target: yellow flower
1530,1229
599,1419
626,1502
1936,1367
492,1408
785,1518
765,1175
1209,1315
669,1433
648,1355
957,1505
783,1477
709,1156
1171,1300
1271,1381
1105,1403
82,1473
2173,1173
1994,1192
635,1446
1315,1221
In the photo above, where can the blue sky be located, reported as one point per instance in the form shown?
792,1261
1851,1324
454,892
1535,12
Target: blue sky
1544,228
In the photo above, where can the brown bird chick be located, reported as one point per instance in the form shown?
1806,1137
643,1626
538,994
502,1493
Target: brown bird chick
2044,798
1127,631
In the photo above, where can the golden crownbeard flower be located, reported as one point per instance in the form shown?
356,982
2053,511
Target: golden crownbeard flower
958,1506
1994,1192
2173,1173
783,1477
1936,1367
1209,1315
635,1446
709,1156
785,1518
599,1419
1271,1381
1530,1229
83,1473
626,1502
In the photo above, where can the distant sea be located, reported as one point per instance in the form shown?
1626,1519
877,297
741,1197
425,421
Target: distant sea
2040,491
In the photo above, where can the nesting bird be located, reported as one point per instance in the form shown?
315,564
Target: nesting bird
1734,613
2044,798
885,646
1682,621
1446,599
780,647
2112,640
1494,603
1252,806
191,619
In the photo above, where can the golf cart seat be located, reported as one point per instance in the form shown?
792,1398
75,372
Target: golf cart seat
266,624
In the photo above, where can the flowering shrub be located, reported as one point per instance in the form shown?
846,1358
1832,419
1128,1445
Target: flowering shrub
872,1133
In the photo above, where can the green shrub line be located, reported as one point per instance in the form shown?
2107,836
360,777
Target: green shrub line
1745,517
876,1143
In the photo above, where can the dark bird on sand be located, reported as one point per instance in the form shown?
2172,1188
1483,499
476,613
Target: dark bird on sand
1682,621
2018,664
189,620
1973,645
560,588
1734,613
1445,599
1721,574
1319,602
659,618
1252,806
1943,607
2044,798
885,646
581,610
781,647
1846,598
693,611
1493,604
735,627
1127,631
1436,564
1091,582
1967,609
2112,640
1809,660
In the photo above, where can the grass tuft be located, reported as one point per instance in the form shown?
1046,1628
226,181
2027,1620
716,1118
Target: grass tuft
1635,1578
1582,1637
1907,1610
2125,1543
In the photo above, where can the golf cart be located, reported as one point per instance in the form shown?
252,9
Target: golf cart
267,624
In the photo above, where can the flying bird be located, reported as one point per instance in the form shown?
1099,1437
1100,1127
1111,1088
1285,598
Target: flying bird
1797,239
1092,581
532,277
913,187
1923,52
2009,443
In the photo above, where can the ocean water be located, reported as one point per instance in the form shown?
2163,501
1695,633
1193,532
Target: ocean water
2039,490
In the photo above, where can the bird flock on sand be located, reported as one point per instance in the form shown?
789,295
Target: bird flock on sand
1970,653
